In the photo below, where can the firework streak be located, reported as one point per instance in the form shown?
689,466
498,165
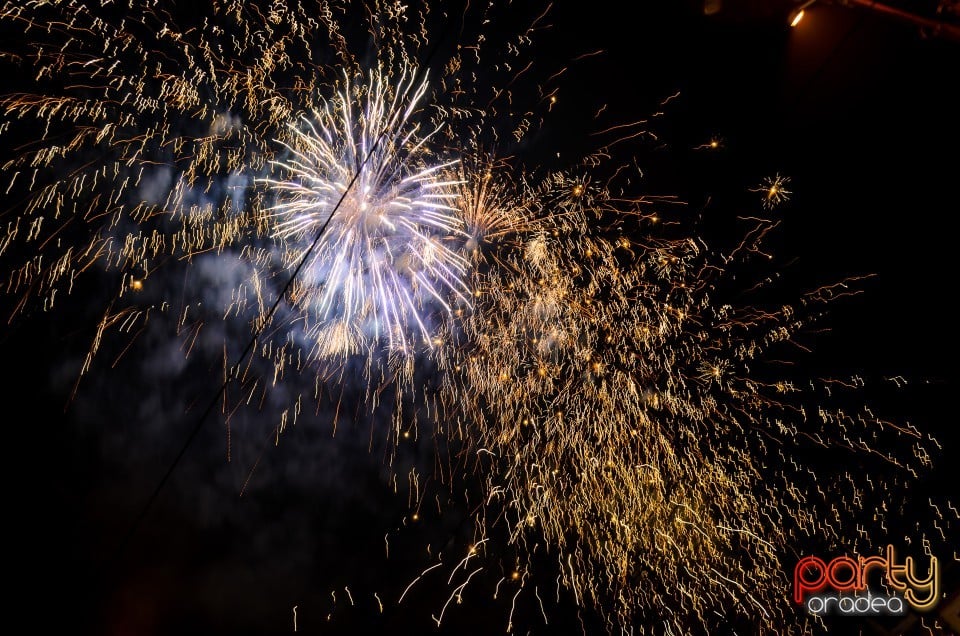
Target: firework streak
590,378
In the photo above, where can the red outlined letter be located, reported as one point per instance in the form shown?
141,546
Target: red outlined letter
807,566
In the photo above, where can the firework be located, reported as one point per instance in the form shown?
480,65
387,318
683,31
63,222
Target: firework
609,400
392,235
774,191
628,424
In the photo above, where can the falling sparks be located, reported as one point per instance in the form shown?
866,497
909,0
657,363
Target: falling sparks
609,400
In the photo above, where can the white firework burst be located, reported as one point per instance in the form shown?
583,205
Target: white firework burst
359,171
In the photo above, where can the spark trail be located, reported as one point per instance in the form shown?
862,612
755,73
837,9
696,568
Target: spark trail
592,381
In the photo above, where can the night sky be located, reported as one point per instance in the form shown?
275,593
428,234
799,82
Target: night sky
860,112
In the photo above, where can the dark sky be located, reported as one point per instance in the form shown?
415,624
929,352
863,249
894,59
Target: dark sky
862,114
